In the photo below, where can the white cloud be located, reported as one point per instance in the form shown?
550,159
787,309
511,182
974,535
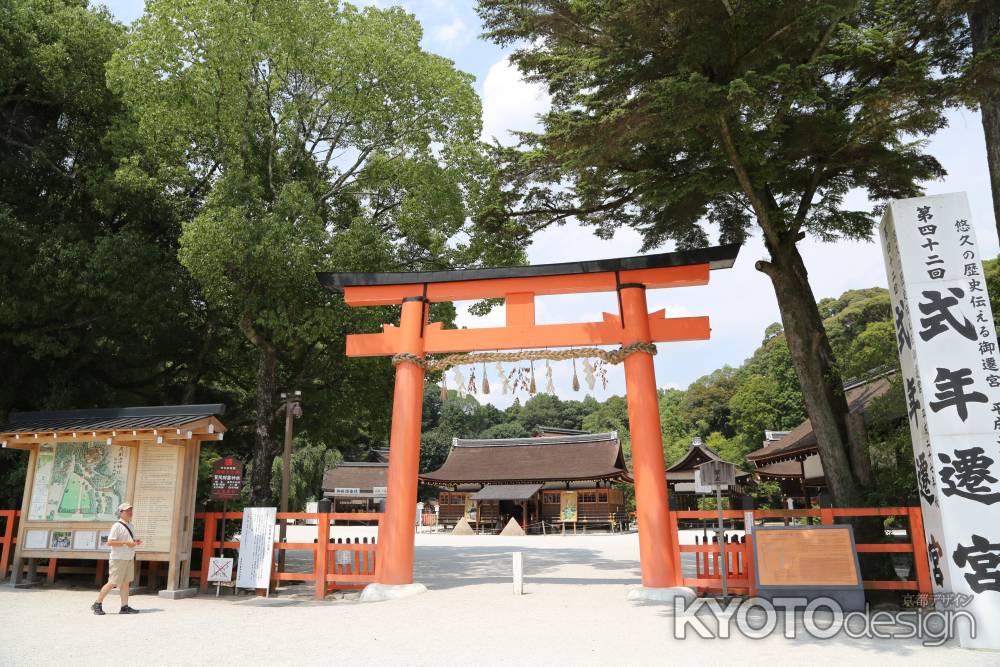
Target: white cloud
510,103
452,35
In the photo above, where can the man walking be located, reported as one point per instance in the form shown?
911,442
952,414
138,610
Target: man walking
122,541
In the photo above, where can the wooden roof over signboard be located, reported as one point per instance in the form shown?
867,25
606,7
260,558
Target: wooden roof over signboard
590,456
355,475
171,422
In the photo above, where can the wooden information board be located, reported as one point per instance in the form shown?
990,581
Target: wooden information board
806,557
808,561
155,492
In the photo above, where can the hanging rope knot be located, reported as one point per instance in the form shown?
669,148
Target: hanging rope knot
611,357
400,357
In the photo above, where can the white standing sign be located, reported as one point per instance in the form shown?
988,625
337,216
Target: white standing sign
220,570
256,547
947,346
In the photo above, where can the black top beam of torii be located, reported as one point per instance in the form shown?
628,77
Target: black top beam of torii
717,257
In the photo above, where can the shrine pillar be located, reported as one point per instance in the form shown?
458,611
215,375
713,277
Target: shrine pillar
396,562
656,539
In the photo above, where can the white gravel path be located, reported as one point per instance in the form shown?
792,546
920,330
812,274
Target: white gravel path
574,612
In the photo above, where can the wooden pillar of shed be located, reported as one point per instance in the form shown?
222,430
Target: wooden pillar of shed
805,491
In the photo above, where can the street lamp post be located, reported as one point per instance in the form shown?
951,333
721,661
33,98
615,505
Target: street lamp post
292,410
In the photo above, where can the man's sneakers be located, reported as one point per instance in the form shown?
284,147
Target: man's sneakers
98,609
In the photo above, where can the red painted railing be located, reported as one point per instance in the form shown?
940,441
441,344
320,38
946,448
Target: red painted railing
739,555
8,538
360,571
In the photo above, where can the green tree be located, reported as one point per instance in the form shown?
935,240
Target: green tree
755,117
706,402
309,462
321,137
95,309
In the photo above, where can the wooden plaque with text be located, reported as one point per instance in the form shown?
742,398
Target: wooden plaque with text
808,556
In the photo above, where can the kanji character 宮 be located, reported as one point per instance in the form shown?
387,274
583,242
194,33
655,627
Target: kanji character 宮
993,380
936,553
924,213
951,391
938,311
966,474
984,559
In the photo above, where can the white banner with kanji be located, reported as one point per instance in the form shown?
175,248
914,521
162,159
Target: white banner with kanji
947,346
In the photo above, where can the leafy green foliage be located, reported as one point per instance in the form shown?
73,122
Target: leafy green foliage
313,136
678,118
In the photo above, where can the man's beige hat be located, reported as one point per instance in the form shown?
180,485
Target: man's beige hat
124,506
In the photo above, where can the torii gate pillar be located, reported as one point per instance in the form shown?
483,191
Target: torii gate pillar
396,566
656,540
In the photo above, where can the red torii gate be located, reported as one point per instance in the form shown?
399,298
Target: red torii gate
519,286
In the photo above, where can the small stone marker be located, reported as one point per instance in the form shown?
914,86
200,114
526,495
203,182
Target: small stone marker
462,528
518,562
512,528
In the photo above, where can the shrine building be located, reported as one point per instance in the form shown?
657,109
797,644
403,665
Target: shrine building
681,479
556,479
793,458
358,486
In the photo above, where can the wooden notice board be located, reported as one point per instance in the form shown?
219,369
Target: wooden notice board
807,556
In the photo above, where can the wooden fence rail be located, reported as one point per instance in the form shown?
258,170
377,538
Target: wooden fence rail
361,570
739,554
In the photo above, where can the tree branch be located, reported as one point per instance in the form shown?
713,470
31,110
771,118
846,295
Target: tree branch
743,177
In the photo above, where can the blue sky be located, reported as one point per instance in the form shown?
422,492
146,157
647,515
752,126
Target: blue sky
740,301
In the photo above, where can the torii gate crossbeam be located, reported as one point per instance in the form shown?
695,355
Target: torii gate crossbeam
519,286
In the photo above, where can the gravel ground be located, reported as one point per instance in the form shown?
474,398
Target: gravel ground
574,611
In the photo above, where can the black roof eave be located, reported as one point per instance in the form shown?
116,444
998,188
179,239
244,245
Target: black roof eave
620,475
201,410
717,257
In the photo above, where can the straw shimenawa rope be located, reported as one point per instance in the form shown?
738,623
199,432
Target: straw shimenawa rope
611,357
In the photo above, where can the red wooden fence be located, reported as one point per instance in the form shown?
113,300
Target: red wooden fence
360,571
739,556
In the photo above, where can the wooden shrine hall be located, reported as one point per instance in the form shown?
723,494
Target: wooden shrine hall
680,478
793,459
534,481
633,329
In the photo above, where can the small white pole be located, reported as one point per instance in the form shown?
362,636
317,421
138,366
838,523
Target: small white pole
518,563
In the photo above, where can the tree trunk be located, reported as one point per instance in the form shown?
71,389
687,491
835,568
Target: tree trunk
819,380
984,25
265,448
